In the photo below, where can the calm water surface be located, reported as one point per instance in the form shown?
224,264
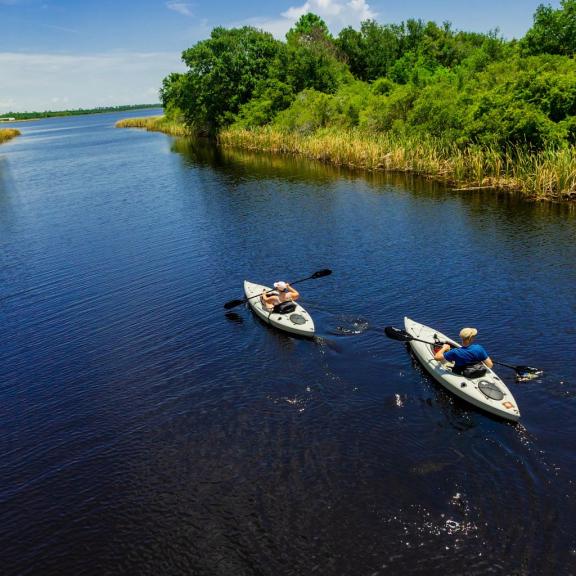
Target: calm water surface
145,431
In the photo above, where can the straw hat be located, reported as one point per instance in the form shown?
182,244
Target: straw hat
467,333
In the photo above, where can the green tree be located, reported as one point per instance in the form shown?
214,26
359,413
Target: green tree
310,28
351,44
223,72
553,31
416,78
311,59
382,47
270,97
390,112
172,95
309,111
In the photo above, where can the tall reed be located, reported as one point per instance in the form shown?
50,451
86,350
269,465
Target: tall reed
547,174
155,124
8,133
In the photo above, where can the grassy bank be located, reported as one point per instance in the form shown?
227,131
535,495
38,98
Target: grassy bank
155,124
550,174
8,133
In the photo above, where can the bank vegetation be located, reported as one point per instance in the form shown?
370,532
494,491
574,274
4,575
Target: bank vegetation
547,174
164,124
475,110
8,134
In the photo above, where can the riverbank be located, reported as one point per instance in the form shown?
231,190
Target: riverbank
546,175
8,133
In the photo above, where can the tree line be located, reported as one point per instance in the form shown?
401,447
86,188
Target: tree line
414,78
76,112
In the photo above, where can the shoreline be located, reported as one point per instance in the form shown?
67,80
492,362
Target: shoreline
547,175
32,116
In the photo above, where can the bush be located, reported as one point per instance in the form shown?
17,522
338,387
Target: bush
438,111
384,113
309,111
270,97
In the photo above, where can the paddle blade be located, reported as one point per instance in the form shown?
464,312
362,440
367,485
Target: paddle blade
321,273
524,373
397,334
233,304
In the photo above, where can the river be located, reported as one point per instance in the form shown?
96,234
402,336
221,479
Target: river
146,431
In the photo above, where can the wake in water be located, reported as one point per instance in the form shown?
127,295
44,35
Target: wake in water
349,326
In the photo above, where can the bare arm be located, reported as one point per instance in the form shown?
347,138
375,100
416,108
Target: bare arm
489,362
440,354
294,293
265,298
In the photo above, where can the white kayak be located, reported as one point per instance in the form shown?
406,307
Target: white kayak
296,322
487,392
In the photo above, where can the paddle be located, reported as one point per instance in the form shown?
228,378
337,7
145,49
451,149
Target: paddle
522,372
319,274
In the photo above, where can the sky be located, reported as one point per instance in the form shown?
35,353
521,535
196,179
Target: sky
66,54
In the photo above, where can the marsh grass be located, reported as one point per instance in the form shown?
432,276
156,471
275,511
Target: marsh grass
8,133
550,174
155,124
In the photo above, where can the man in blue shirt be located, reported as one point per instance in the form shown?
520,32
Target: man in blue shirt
468,355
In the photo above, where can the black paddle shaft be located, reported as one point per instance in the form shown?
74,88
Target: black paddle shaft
403,336
319,274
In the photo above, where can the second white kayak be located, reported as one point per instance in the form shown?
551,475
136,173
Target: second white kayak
296,322
487,392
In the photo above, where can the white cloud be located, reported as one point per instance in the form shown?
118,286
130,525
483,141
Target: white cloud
180,7
58,81
336,13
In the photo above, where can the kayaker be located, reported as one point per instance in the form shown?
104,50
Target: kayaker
284,293
468,355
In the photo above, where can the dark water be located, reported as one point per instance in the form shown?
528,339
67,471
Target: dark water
144,431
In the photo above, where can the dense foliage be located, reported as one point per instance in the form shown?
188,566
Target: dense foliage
414,79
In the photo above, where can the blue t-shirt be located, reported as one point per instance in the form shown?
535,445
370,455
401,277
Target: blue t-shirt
466,355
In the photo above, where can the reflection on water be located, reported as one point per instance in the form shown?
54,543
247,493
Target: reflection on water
147,425
254,165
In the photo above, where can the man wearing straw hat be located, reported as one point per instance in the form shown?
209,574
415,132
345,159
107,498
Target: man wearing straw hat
468,355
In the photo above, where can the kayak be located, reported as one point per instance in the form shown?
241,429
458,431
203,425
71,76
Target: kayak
296,322
487,392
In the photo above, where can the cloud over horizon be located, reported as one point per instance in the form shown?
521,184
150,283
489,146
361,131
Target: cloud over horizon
64,81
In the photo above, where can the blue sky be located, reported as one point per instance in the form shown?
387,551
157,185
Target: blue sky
58,54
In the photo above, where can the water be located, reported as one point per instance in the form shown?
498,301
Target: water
144,430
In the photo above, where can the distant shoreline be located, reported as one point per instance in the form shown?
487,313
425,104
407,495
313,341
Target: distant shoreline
27,116
536,176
